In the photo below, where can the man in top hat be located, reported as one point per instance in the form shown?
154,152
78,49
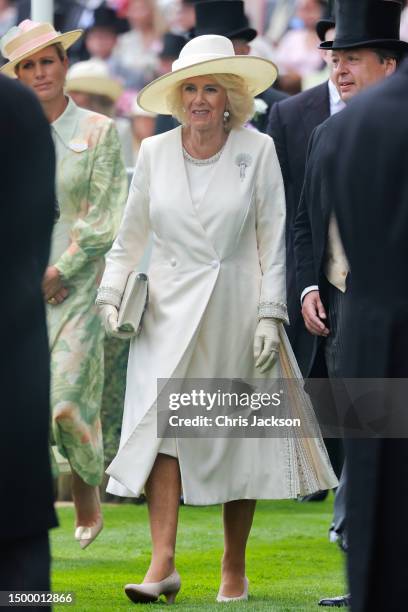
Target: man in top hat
366,49
172,45
227,18
291,123
374,128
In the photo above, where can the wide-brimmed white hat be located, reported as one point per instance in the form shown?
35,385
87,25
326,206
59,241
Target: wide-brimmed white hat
208,54
29,37
138,111
93,77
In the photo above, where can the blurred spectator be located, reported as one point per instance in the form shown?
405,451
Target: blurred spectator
77,14
325,31
80,13
61,8
135,58
120,6
8,15
186,19
297,53
270,17
172,45
404,22
91,86
143,126
279,14
102,35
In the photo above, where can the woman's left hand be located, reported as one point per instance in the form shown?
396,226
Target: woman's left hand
52,283
266,344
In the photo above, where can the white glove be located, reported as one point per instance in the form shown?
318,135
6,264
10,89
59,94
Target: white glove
109,315
266,344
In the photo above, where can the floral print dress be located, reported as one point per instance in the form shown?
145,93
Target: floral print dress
91,192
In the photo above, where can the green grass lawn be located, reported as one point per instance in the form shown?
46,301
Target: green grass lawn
290,563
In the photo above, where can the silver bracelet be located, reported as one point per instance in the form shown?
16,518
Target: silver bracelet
109,295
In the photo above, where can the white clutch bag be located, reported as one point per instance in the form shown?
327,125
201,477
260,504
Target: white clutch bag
134,303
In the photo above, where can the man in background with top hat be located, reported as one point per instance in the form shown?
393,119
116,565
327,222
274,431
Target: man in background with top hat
366,49
291,123
227,18
172,45
374,129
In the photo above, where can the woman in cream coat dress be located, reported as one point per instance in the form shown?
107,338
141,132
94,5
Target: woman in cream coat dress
210,192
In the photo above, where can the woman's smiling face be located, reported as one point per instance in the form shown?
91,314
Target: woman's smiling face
204,102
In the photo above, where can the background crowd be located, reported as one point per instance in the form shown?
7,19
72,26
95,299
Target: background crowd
133,41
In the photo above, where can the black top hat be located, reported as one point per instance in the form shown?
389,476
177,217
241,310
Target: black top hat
223,17
172,45
367,23
322,26
105,17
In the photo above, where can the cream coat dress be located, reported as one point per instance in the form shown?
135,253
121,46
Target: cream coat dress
213,270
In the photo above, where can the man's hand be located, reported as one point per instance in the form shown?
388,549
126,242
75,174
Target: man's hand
313,312
52,285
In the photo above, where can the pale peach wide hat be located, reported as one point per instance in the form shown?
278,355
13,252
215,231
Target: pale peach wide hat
29,37
92,76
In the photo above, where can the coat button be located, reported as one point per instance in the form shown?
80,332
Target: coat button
173,262
215,264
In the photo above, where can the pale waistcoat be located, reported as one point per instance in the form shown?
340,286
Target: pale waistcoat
336,266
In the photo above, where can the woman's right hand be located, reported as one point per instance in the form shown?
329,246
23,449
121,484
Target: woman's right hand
109,315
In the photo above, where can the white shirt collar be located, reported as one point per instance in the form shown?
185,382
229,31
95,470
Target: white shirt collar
336,103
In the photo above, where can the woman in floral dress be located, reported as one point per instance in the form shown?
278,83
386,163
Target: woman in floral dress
91,191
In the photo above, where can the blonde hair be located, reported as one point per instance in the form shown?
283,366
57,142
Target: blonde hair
240,101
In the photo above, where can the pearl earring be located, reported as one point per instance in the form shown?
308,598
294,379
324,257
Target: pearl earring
226,116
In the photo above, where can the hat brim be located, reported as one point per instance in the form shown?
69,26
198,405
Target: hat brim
99,86
382,43
323,26
66,39
257,72
247,34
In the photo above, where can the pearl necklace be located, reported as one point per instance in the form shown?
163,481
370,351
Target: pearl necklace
202,162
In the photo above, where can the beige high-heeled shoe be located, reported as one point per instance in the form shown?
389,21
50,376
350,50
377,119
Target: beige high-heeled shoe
151,591
243,597
86,535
